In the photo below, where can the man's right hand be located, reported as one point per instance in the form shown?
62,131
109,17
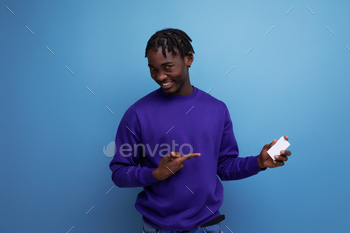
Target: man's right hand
170,164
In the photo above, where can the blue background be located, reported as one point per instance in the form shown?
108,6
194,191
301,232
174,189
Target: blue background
294,81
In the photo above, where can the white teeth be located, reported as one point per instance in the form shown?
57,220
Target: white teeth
166,84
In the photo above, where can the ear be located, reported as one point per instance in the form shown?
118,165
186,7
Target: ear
189,60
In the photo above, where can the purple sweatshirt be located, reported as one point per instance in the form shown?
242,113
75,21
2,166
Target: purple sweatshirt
160,123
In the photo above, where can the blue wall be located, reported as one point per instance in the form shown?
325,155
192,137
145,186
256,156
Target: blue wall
64,62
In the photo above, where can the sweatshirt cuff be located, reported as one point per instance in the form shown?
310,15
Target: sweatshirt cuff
148,176
253,165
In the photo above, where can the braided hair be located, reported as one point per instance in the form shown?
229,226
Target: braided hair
172,39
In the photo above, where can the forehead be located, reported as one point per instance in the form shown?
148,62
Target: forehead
155,55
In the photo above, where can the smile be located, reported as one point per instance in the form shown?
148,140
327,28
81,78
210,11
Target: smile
166,84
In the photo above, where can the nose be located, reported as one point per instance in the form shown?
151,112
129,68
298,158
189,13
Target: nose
161,76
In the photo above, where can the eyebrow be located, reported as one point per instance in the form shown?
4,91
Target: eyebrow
165,63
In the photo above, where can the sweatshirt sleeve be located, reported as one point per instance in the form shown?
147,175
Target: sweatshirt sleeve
125,163
230,166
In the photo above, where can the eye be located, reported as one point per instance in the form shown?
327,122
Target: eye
167,67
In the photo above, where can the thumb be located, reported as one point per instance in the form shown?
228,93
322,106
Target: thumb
268,146
174,154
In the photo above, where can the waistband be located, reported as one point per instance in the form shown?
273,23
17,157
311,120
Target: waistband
214,221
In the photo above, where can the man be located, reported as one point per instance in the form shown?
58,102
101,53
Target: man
182,191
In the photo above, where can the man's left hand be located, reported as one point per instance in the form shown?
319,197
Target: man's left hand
264,159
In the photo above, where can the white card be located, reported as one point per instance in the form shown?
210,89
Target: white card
281,144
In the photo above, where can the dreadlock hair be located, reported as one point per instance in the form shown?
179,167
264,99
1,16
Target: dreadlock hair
171,39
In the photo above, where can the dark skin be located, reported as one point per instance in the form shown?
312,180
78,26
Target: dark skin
175,69
264,159
172,68
170,164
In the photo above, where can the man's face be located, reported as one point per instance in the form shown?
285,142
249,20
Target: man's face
171,70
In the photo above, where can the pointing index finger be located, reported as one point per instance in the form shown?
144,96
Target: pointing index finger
192,155
189,156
